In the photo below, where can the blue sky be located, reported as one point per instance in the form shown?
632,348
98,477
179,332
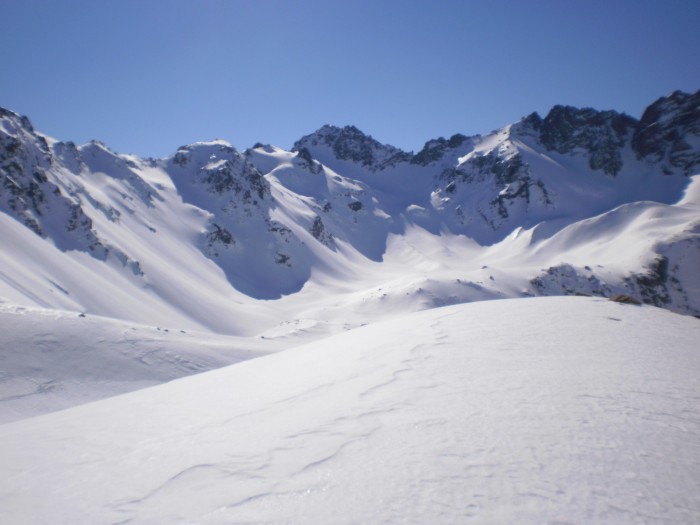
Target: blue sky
148,76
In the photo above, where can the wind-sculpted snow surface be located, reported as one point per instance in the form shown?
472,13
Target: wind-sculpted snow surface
543,410
53,359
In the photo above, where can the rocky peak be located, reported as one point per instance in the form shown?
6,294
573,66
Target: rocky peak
600,133
200,153
18,138
99,156
435,149
9,119
349,143
220,169
30,193
669,132
532,121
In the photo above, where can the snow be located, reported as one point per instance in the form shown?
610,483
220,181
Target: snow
403,372
53,359
154,220
543,410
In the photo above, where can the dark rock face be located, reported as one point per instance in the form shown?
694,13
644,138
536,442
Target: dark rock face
652,285
305,155
283,258
435,149
234,175
506,170
523,190
565,279
601,133
667,130
23,194
349,143
32,192
318,230
218,237
667,134
533,121
227,178
655,285
27,194
505,176
355,205
307,162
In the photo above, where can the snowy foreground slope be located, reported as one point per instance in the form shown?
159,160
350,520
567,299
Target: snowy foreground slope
538,410
53,359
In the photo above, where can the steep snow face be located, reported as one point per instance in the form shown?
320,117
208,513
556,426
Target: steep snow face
546,410
236,242
119,240
491,189
341,210
260,257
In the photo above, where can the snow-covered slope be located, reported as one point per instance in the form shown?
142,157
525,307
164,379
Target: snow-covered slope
215,239
541,410
53,359
119,273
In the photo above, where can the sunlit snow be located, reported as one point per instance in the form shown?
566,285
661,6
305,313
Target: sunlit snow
349,333
546,410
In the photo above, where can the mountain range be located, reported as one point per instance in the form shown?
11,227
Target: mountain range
312,335
217,239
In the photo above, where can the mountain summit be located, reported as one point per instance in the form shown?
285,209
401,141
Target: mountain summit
350,144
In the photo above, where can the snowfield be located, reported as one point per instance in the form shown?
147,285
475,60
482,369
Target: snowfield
350,333
53,359
541,410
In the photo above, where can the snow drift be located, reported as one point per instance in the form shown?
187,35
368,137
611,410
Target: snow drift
567,410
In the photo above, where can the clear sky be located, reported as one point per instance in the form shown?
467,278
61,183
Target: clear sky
147,76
